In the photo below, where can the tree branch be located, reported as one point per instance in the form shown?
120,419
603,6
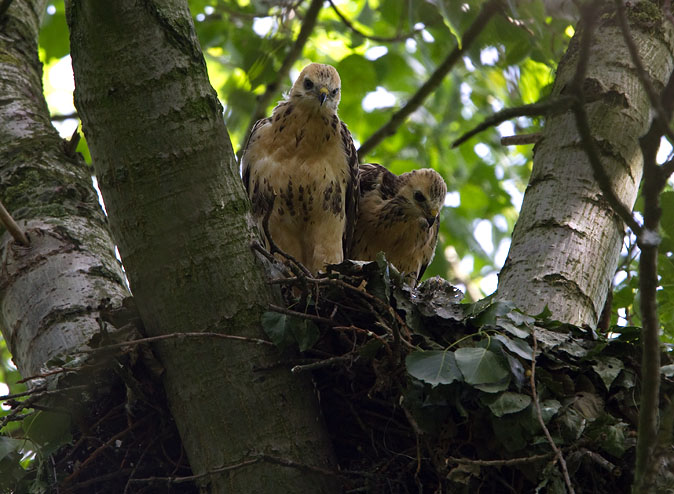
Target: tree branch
263,100
537,405
13,229
531,110
390,127
380,39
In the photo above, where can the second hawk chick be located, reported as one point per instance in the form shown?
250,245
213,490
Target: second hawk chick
399,215
301,162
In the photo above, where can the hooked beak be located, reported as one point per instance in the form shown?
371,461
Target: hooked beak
323,94
431,219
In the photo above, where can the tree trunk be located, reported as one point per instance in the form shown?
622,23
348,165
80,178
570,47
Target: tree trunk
567,240
178,211
51,289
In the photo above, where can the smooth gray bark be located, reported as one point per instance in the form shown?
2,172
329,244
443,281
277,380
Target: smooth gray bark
180,216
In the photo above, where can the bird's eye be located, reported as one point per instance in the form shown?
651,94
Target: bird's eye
335,91
419,197
308,84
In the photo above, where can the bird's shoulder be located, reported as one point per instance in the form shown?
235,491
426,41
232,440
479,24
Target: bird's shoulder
375,177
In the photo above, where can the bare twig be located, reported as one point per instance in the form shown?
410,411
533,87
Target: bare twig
502,463
534,395
263,100
390,127
13,229
320,364
380,39
191,478
576,88
302,315
521,139
537,109
162,337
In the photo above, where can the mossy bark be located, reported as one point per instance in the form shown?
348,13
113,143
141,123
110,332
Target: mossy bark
566,243
50,291
180,216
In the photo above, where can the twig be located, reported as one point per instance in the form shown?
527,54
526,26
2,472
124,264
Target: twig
521,139
576,88
102,448
328,362
191,478
531,110
501,463
263,100
390,127
13,229
558,453
151,339
648,241
380,39
303,315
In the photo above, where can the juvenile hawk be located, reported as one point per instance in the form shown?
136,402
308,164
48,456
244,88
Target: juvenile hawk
399,216
301,162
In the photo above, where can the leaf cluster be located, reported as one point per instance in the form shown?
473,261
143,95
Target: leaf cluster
419,389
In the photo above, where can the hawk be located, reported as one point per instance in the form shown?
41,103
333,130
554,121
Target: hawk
300,169
399,216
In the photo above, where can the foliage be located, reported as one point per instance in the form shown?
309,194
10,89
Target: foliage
445,398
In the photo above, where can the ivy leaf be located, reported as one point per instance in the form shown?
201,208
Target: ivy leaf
480,366
517,346
434,367
275,325
284,330
507,402
608,369
48,430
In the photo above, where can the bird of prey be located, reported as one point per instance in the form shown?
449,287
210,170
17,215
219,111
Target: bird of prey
300,169
399,216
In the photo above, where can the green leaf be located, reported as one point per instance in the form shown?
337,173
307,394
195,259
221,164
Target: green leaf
48,430
434,367
508,402
516,346
284,330
480,366
306,333
608,369
275,325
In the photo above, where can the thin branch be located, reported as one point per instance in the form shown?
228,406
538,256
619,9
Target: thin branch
534,395
537,109
582,123
502,463
302,315
643,76
397,119
263,100
320,364
13,229
648,241
521,139
191,478
379,39
151,339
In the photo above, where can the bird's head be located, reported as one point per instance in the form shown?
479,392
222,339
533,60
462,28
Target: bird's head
424,191
318,86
